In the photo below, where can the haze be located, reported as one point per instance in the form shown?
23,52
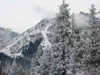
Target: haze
19,15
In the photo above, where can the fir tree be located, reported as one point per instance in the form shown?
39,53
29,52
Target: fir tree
91,51
62,45
76,45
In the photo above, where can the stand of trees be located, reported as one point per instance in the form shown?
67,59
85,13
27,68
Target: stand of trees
71,51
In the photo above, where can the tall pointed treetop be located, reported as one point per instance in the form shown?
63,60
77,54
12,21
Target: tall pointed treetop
93,11
64,10
63,1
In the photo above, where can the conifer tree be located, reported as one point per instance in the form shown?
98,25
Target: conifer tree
76,45
62,45
91,54
34,67
94,50
13,69
45,61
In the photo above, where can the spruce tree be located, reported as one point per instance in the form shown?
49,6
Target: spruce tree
13,68
91,54
94,50
62,45
76,45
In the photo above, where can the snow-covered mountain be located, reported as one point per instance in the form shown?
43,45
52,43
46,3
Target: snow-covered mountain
26,44
17,46
6,35
34,36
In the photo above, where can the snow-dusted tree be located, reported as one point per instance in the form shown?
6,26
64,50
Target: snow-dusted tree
61,57
7,68
34,66
13,68
91,51
76,45
94,50
40,64
93,13
44,61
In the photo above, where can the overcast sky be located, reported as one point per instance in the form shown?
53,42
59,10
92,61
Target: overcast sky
19,15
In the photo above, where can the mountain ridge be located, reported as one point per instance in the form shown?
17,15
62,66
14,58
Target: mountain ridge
6,35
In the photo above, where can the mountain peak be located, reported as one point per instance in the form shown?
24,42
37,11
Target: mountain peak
32,35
